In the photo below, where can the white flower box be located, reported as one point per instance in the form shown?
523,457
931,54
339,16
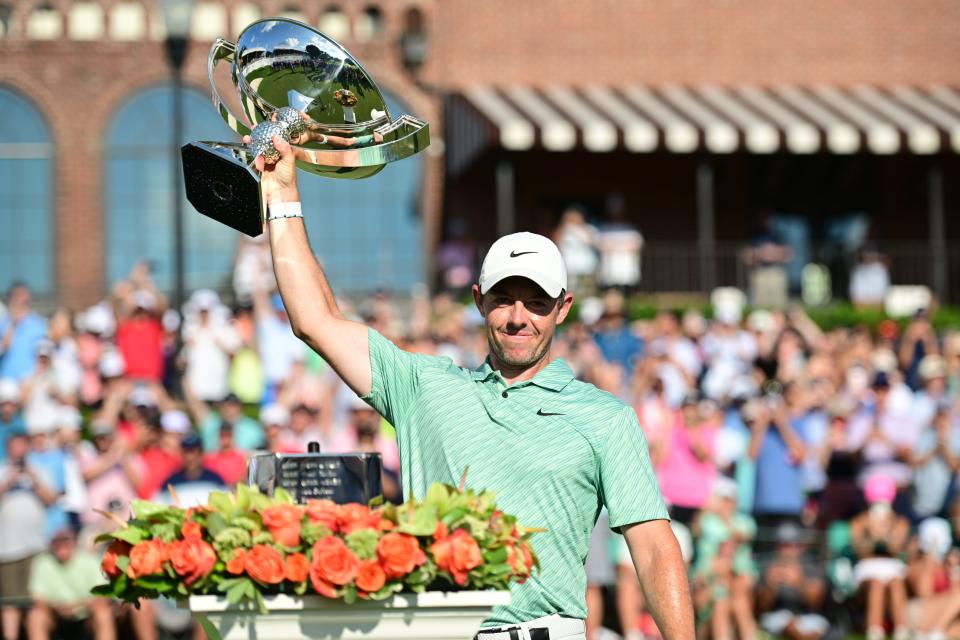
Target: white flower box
433,615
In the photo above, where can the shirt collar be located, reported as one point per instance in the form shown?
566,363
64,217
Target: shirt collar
555,376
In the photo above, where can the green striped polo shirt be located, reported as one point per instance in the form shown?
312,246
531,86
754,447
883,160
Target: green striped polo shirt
554,449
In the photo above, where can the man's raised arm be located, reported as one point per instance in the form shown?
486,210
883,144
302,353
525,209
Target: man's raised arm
309,301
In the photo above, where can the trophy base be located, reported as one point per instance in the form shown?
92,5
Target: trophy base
221,185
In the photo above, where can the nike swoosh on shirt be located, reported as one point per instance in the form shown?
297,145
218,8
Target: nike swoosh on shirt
517,254
541,412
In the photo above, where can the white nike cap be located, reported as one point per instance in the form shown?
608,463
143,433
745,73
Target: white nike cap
527,255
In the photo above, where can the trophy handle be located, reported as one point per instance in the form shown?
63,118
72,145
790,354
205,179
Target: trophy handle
224,50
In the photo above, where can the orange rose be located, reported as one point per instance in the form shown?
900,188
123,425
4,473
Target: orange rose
147,558
354,517
519,558
283,521
441,531
385,525
399,554
191,529
326,512
237,562
117,549
457,554
370,576
333,562
192,558
264,564
296,568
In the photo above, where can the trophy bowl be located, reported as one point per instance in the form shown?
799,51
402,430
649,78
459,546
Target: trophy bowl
298,83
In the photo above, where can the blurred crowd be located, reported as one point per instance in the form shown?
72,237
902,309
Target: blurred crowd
811,475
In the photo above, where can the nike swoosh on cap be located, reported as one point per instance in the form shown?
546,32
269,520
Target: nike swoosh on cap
517,254
541,412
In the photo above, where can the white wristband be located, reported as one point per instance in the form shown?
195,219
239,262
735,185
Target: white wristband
284,210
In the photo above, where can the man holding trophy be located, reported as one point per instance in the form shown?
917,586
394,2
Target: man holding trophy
554,449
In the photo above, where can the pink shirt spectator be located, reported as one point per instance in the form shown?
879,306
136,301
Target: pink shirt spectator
685,479
346,442
109,489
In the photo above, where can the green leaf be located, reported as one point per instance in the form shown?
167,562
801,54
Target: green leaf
227,584
455,515
261,604
349,593
281,496
424,521
237,592
388,590
211,631
146,510
437,496
104,590
220,502
243,497
123,563
215,523
133,535
158,583
496,556
301,587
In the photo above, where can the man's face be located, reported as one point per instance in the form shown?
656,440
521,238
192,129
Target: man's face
366,422
20,297
520,320
63,546
192,459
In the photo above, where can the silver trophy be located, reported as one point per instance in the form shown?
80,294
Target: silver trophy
295,82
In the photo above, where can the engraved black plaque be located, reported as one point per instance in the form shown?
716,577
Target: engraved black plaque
343,478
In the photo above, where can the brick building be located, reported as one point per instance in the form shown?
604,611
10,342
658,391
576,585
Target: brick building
702,114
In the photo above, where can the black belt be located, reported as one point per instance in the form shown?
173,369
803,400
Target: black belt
536,633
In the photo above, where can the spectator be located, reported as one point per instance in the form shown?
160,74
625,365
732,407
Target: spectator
779,452
936,461
60,584
577,242
278,346
792,591
227,461
25,495
209,341
688,470
47,457
11,418
869,279
112,473
192,482
247,432
919,340
879,536
933,392
767,258
619,243
617,342
305,429
21,330
140,338
276,420
934,610
161,455
362,434
723,538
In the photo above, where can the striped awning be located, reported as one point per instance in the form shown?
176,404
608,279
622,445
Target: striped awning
716,119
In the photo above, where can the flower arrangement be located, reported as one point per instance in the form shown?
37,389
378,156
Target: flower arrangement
245,545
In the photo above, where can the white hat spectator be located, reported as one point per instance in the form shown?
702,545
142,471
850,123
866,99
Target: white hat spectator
69,418
99,319
591,310
42,419
760,320
144,299
934,537
112,364
101,428
175,421
728,313
170,320
9,390
274,414
884,360
204,300
932,366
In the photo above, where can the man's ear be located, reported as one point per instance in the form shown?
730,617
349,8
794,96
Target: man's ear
478,299
565,306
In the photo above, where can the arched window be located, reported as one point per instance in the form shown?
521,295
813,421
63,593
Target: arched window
368,233
369,24
139,214
334,23
26,207
44,23
6,21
